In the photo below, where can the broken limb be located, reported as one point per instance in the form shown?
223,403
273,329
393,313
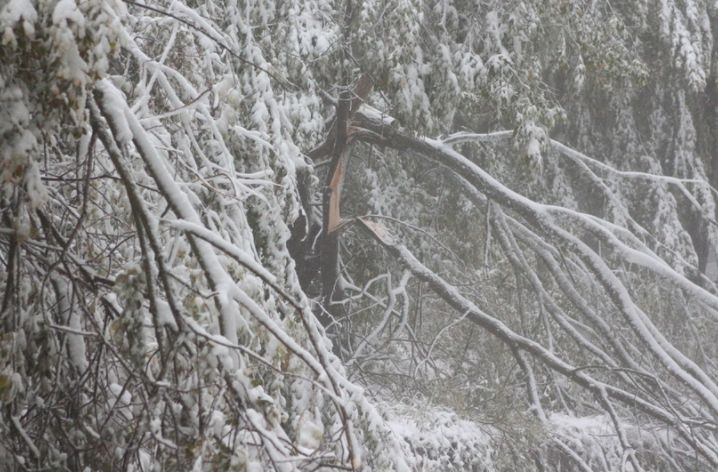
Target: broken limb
700,442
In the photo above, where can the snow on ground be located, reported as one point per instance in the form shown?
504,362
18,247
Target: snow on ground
440,439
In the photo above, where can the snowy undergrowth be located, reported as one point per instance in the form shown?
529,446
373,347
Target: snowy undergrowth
441,439
151,315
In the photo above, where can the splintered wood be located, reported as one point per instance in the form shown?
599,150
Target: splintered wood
378,231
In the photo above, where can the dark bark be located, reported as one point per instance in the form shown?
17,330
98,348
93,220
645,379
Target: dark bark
324,260
304,231
329,241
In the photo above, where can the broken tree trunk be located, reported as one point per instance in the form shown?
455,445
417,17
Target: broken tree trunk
336,148
329,242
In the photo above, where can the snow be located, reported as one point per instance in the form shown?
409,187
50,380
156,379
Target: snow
123,396
115,103
217,423
236,253
597,425
180,203
310,431
211,146
439,438
66,13
14,11
465,136
75,338
678,364
165,316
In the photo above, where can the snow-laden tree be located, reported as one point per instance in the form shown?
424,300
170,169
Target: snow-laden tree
565,210
544,263
151,317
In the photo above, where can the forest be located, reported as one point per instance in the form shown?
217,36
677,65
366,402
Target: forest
379,235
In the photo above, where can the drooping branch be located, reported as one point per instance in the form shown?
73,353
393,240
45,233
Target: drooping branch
514,341
228,295
546,220
550,234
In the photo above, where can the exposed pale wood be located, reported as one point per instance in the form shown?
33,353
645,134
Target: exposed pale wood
335,192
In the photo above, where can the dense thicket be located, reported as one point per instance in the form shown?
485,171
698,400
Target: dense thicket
520,272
